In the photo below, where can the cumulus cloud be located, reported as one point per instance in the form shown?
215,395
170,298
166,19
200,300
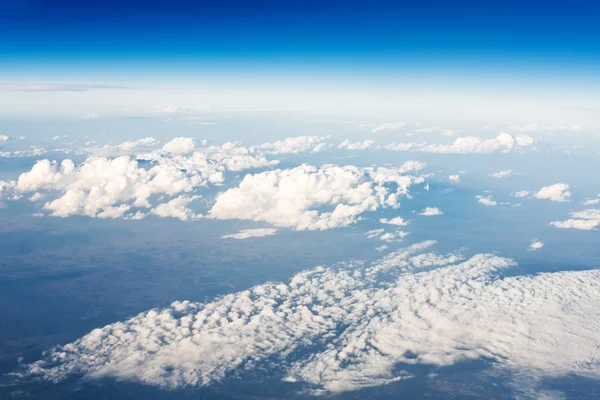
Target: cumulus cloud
504,142
251,233
293,145
180,145
454,178
487,201
399,221
32,151
347,327
536,245
293,197
177,208
431,211
557,192
3,138
586,220
367,144
502,174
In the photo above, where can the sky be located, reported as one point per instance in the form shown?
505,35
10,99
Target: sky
339,195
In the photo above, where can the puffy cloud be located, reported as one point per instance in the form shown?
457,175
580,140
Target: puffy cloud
347,327
536,245
367,144
502,174
251,233
293,197
454,178
586,220
399,221
592,202
486,201
177,208
180,145
3,138
145,142
431,211
32,151
504,142
557,192
293,145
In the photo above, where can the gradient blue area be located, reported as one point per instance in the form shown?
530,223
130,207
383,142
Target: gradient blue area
170,32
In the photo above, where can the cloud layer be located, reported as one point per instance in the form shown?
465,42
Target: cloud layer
350,326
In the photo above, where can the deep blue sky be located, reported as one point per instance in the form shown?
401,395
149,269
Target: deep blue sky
126,32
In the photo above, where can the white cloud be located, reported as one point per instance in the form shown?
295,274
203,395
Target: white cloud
3,138
180,145
145,142
557,192
399,221
522,193
177,208
431,211
487,201
396,236
251,233
347,327
537,127
586,220
536,245
91,115
454,178
293,197
292,145
502,174
389,126
592,202
367,144
504,142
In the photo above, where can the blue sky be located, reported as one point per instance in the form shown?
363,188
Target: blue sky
89,37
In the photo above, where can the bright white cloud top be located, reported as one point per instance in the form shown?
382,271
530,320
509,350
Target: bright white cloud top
536,245
585,220
431,211
352,326
293,197
557,192
502,174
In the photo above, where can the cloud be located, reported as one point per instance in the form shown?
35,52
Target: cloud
293,197
292,145
389,126
536,128
3,138
504,142
91,115
502,174
486,201
32,151
251,233
394,221
346,327
592,202
454,178
586,220
431,211
522,193
177,208
145,142
536,245
180,145
367,144
557,192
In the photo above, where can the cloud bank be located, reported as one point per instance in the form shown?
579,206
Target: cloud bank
349,326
